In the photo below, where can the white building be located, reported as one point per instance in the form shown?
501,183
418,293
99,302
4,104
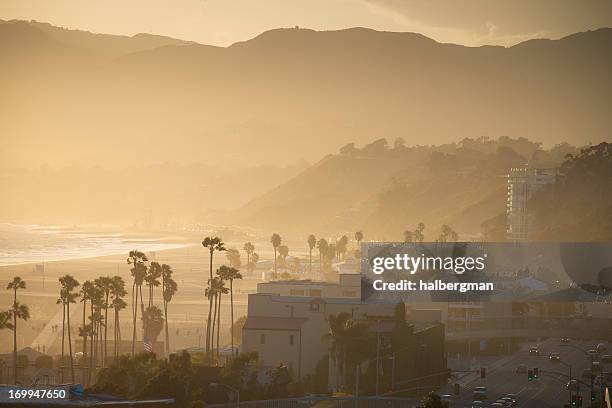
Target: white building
522,183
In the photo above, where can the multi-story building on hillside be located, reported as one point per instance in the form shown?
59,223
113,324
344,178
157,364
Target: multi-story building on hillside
522,183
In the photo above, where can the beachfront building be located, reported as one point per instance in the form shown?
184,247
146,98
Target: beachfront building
287,320
348,286
522,183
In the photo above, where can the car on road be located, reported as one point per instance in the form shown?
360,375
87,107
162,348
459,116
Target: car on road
556,357
479,394
513,396
596,367
497,404
565,340
534,351
477,404
509,401
592,353
446,399
521,369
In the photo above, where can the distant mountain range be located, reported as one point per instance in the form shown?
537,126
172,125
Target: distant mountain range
75,97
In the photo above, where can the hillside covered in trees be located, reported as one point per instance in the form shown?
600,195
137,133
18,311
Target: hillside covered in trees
385,189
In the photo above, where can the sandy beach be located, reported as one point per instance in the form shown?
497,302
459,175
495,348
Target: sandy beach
187,312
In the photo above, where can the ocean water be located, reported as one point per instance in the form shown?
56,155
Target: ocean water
21,243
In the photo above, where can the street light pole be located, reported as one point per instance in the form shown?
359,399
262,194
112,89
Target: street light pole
377,353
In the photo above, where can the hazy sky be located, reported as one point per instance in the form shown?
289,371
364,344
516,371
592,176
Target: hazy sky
222,22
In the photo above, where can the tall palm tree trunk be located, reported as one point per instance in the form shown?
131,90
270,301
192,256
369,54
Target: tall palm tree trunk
275,263
142,309
63,334
166,328
15,337
232,313
105,329
134,315
91,345
310,257
218,326
208,331
84,332
208,351
69,341
212,334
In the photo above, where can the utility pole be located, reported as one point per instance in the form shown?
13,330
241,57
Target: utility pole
377,353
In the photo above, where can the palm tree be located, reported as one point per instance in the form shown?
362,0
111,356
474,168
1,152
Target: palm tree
213,244
276,241
358,237
209,292
118,304
104,283
96,297
67,285
408,236
152,279
18,311
221,289
249,248
323,248
86,290
139,270
117,291
338,338
312,242
341,246
229,274
169,288
253,263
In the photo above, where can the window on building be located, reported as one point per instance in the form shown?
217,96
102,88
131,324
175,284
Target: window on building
296,292
314,307
349,293
315,292
291,339
262,339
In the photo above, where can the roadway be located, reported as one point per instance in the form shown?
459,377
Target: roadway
547,391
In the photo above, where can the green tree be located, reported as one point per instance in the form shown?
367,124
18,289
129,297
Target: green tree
138,261
448,234
237,329
432,400
276,241
152,322
233,257
230,274
213,244
18,311
418,235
